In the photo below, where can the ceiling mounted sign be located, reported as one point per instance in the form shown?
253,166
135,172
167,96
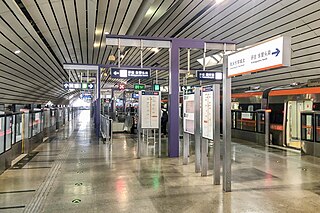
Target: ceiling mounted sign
270,54
129,72
78,85
209,75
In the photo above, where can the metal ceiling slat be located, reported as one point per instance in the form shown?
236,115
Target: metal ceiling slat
135,55
190,10
100,31
49,57
25,44
78,32
22,90
145,21
70,21
117,26
130,16
28,82
52,36
81,16
265,26
9,62
57,10
92,4
98,20
33,58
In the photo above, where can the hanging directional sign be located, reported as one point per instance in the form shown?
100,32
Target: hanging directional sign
84,86
76,85
156,87
91,86
273,53
139,87
129,72
66,85
209,75
121,86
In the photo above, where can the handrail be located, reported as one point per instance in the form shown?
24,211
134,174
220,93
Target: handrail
106,128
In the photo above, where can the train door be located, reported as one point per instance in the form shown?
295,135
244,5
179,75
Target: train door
293,131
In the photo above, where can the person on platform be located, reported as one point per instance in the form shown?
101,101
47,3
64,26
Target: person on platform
164,121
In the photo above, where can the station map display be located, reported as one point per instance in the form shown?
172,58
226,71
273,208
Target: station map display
188,113
150,110
207,112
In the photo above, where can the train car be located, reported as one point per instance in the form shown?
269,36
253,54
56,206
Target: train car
286,105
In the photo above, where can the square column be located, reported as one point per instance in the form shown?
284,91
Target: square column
173,109
98,103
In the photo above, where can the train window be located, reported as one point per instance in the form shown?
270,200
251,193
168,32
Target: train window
276,115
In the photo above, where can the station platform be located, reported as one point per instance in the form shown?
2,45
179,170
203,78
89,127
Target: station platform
76,172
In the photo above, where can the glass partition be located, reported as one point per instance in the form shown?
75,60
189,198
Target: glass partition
36,123
245,120
8,132
307,126
41,121
260,122
47,121
18,127
53,117
66,113
13,139
30,124
2,134
248,120
233,119
317,117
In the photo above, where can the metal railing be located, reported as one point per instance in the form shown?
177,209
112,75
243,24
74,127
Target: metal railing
106,128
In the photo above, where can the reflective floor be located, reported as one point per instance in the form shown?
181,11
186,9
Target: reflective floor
77,173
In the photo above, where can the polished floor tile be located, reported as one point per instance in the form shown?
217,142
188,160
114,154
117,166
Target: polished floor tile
79,173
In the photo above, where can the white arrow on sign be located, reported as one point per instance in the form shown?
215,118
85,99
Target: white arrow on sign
90,86
66,85
116,73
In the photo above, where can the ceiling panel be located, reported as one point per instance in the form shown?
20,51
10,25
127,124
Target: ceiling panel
50,33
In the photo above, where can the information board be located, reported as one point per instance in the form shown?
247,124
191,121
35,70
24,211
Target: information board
149,107
188,113
269,54
207,112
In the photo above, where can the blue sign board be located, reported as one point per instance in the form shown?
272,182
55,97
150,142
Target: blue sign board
207,89
135,95
209,75
86,96
116,72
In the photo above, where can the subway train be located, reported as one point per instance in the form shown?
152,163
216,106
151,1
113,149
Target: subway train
286,105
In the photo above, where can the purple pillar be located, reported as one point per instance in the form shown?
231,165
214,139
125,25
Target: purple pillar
174,101
98,103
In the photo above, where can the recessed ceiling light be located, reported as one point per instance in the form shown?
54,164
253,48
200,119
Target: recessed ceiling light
219,1
155,50
98,31
107,33
17,51
96,44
